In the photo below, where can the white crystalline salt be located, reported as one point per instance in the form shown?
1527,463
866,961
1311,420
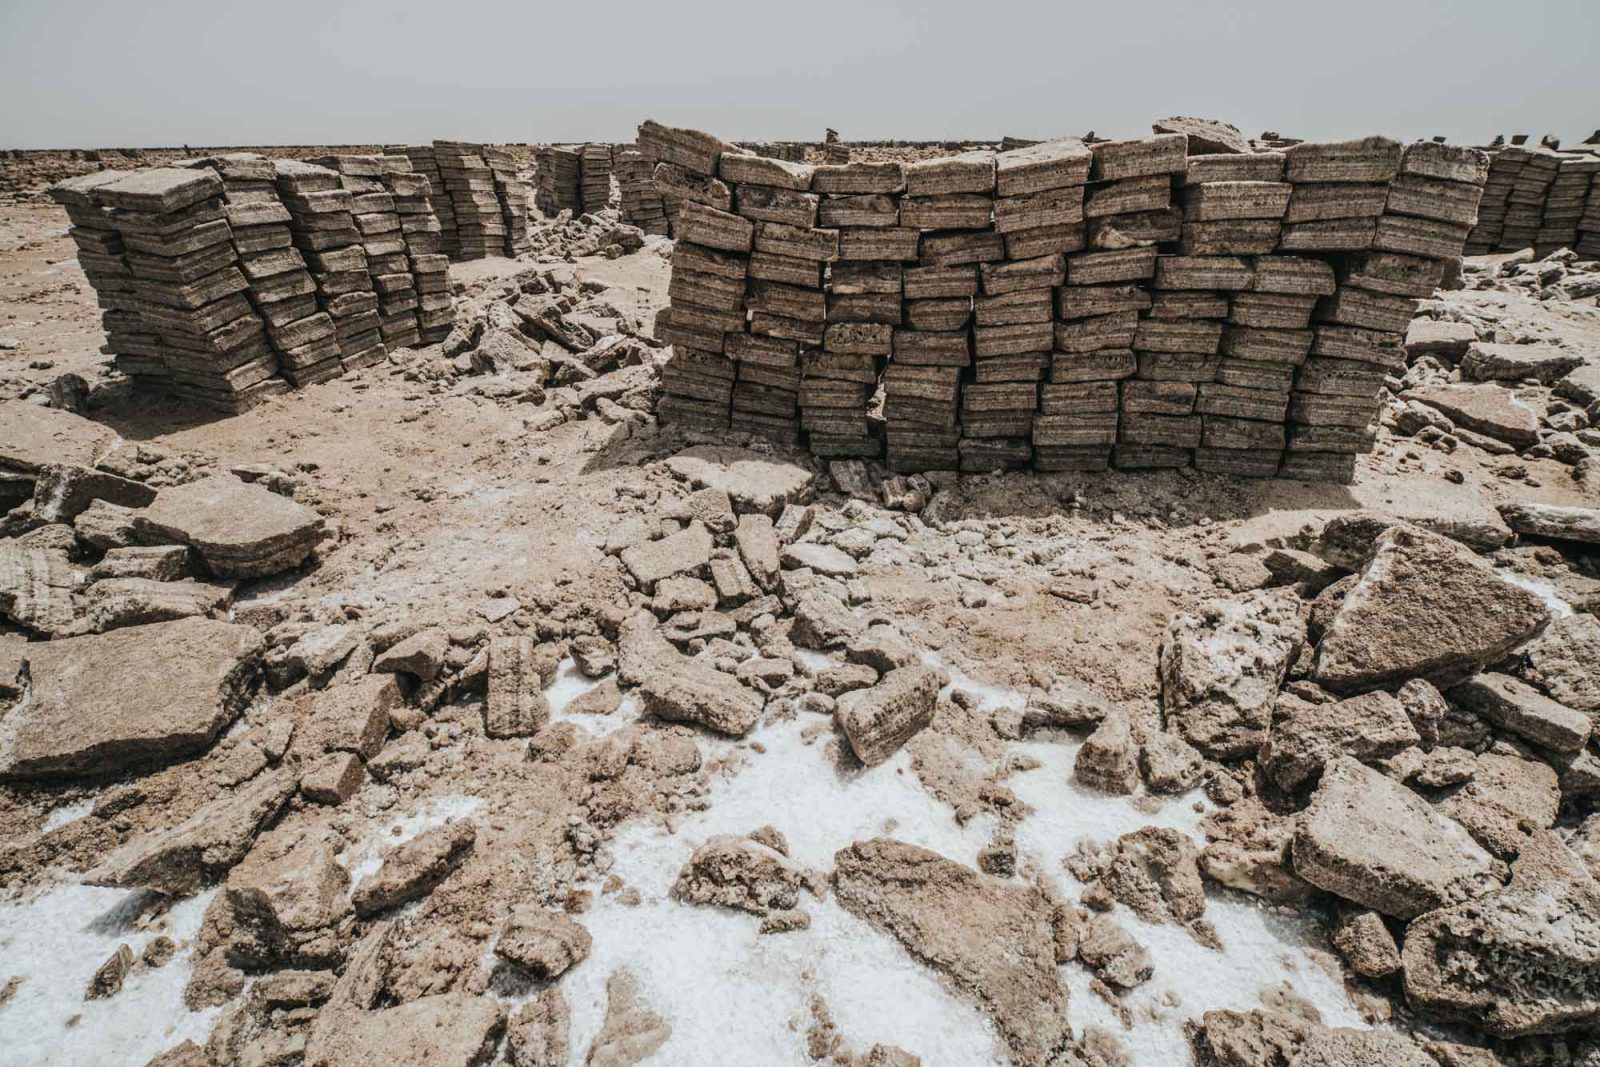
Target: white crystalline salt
55,942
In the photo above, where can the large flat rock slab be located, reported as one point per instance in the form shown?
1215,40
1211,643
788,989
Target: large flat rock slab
444,1030
1423,606
1221,665
752,481
34,437
1565,661
239,529
110,703
1486,362
1554,521
1487,409
1370,840
992,939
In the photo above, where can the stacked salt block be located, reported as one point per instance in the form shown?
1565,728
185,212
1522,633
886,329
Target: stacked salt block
1227,287
425,163
1339,192
421,232
835,153
1114,364
281,287
865,306
595,178
1486,237
1037,216
1171,299
1130,215
1525,205
133,342
1431,206
1588,244
559,173
480,225
1564,206
187,287
945,231
685,167
705,317
512,194
641,204
393,306
347,326
1023,303
784,291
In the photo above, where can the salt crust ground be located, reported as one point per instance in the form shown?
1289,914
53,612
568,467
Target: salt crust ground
55,942
725,988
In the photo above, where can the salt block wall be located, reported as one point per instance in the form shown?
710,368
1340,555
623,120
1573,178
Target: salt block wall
1063,305
1540,198
575,178
481,204
233,278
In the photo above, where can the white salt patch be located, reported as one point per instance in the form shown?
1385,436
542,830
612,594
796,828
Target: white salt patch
990,696
1066,812
1261,951
732,995
55,942
68,813
1546,592
818,807
815,661
366,856
570,684
735,996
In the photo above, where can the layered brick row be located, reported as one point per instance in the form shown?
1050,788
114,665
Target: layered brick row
227,279
1540,198
1064,305
575,178
474,191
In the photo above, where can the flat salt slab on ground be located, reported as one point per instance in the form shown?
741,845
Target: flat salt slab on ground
55,941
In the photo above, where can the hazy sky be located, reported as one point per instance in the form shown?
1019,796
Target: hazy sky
216,72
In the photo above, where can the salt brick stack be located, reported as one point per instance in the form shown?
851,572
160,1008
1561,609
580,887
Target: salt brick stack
347,333
640,203
1519,180
1157,357
1564,206
1066,305
422,234
393,307
281,286
227,275
784,292
512,194
1589,222
480,224
559,172
133,343
183,303
594,178
1430,207
946,231
684,168
705,320
835,153
426,163
865,304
